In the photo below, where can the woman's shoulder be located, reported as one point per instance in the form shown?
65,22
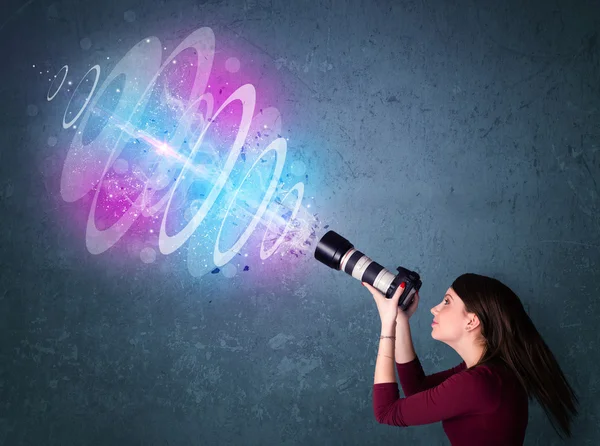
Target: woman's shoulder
492,374
483,382
489,375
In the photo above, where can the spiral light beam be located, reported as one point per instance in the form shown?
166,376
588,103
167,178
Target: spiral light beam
82,172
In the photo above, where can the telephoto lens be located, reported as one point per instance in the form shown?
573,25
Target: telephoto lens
338,253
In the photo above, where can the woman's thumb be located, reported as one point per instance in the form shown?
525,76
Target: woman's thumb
400,291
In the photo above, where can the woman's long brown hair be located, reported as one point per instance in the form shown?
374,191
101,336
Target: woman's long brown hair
511,336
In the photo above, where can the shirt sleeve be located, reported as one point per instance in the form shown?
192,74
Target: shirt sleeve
413,380
471,391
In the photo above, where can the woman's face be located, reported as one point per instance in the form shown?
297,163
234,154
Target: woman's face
451,318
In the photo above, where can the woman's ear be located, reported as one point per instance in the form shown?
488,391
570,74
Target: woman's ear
473,322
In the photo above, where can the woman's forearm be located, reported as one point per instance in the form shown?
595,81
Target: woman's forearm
384,366
405,351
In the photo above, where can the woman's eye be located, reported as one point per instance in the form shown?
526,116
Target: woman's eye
446,300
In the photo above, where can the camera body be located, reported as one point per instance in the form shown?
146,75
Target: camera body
338,253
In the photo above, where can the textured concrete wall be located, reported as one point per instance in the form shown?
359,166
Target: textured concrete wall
442,136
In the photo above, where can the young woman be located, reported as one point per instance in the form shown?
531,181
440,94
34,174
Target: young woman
483,400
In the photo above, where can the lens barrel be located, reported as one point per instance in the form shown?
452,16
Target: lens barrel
338,253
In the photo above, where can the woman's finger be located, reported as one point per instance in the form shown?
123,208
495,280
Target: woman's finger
414,304
368,287
374,291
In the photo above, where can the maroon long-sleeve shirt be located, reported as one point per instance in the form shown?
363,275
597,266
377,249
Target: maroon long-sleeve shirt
485,405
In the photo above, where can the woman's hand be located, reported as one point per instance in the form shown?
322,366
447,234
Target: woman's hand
404,316
388,308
